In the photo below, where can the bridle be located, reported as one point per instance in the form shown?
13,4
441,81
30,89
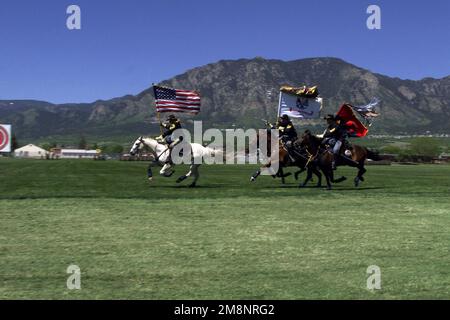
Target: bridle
138,144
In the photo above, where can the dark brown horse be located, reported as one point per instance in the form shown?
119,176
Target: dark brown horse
323,158
299,158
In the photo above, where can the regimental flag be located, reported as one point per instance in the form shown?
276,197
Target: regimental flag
296,106
5,138
354,127
369,112
173,100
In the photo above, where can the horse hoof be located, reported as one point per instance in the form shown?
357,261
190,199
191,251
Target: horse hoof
303,185
181,179
252,179
168,175
192,185
319,185
356,183
150,179
329,188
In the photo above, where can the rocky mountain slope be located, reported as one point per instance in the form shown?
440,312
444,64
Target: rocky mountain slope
240,93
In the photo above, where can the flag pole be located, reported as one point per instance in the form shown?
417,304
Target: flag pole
279,106
157,112
159,122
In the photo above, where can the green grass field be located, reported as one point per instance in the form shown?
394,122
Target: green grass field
226,239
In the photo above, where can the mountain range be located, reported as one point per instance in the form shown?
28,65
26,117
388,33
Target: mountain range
239,93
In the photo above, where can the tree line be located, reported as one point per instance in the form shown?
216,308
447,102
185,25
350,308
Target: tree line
422,149
107,148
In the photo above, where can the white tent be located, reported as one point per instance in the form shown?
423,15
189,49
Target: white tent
30,151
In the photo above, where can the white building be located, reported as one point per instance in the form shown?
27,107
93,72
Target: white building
30,151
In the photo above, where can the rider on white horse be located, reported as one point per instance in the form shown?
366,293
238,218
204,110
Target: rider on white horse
161,155
170,126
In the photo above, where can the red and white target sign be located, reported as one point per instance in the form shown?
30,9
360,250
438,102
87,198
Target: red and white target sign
5,138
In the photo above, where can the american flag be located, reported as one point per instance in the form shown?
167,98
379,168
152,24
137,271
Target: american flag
173,100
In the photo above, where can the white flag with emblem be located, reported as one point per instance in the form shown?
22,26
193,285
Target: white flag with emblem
5,138
299,107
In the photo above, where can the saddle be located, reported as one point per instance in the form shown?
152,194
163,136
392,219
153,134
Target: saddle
295,150
346,151
161,140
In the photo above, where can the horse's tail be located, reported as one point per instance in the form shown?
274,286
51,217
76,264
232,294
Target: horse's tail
373,155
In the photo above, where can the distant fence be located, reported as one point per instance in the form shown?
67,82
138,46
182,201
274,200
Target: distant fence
143,157
379,163
411,159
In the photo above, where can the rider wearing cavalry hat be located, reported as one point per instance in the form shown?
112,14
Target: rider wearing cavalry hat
171,124
335,135
286,128
287,132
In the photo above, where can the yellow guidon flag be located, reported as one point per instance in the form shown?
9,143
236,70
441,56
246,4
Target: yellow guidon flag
305,92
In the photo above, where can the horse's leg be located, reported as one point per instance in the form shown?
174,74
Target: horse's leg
333,180
281,175
341,179
196,174
298,173
308,178
319,176
259,172
329,177
149,172
255,175
354,164
325,166
164,170
182,178
287,175
187,175
361,170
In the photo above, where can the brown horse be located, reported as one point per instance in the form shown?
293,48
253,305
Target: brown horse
301,160
323,158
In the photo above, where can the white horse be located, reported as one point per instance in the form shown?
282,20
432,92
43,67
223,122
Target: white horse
161,153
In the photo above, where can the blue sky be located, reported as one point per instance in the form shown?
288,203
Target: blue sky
124,46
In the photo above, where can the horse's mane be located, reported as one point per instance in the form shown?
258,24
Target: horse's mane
315,139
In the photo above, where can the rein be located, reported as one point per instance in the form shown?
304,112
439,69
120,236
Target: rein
311,157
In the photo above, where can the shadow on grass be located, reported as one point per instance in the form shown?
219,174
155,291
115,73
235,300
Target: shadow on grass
178,186
359,188
335,188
